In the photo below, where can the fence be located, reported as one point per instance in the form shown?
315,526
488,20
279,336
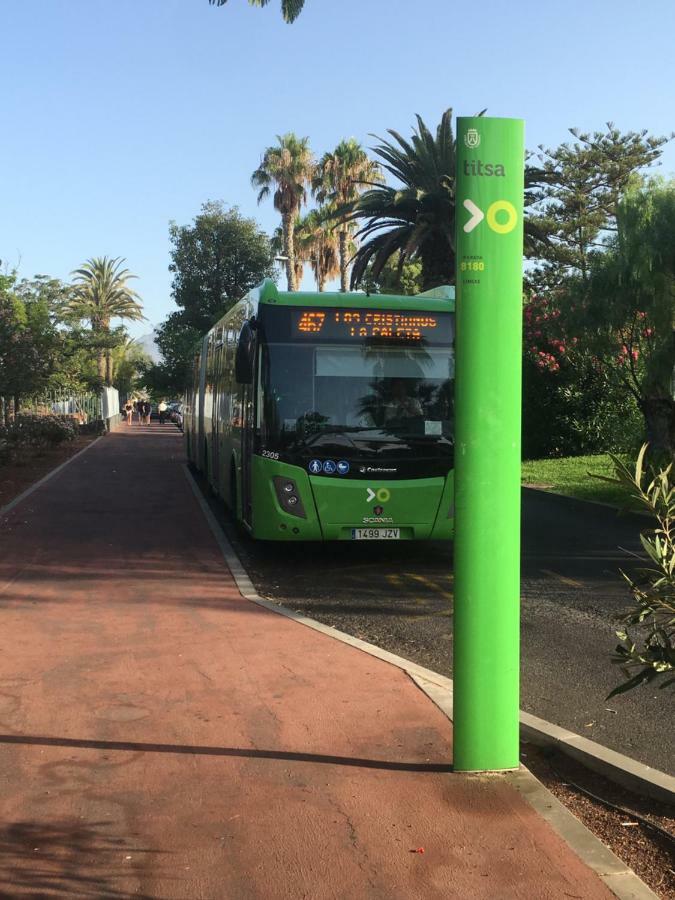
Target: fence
86,408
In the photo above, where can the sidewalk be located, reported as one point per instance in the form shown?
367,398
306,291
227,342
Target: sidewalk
162,737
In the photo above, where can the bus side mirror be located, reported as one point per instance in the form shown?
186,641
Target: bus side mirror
243,359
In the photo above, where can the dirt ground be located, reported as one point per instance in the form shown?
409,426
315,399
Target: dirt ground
18,474
645,841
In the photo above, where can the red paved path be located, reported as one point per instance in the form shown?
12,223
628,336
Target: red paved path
164,738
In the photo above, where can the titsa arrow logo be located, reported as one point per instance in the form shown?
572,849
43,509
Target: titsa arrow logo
477,215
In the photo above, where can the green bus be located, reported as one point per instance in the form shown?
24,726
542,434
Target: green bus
329,416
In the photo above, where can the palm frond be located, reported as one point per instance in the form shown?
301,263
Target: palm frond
290,9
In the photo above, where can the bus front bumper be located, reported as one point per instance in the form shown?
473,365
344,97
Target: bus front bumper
340,508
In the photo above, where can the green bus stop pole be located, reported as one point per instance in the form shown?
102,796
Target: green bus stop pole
489,254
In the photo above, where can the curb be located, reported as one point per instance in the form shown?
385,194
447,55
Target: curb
618,878
619,510
629,773
15,502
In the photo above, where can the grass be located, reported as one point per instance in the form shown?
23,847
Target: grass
570,476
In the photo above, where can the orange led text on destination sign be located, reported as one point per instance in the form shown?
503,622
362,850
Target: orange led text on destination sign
370,323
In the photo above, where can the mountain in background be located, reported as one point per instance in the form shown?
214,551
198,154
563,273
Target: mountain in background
147,342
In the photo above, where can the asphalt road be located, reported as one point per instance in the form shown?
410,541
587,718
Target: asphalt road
399,596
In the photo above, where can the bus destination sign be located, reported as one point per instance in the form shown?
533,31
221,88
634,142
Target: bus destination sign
360,324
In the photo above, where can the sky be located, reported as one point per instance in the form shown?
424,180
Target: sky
118,116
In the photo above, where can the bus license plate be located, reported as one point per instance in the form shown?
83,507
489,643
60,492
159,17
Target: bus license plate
376,534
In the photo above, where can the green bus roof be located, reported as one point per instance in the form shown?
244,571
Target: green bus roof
439,299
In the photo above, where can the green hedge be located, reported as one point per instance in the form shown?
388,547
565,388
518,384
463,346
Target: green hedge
38,431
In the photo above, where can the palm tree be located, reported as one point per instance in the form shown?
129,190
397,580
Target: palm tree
290,9
340,178
100,294
288,168
317,244
417,219
277,247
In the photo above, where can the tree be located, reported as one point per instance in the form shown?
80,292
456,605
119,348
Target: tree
288,169
290,9
101,293
215,262
21,366
29,339
626,307
317,244
341,176
177,340
130,364
395,278
575,200
416,220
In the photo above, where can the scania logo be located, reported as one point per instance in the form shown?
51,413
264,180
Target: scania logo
472,138
378,510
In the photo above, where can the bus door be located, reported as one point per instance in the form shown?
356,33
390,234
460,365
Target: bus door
245,365
198,425
218,396
247,435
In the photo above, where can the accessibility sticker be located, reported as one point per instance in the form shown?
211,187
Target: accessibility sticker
329,467
315,466
343,467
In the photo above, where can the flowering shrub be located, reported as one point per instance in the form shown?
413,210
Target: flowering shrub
543,336
573,401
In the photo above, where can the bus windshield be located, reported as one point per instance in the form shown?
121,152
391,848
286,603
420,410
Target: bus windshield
364,396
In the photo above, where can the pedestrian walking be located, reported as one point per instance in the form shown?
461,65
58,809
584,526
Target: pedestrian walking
138,404
147,410
129,411
161,409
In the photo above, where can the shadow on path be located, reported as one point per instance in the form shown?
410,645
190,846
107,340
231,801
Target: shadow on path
238,752
68,858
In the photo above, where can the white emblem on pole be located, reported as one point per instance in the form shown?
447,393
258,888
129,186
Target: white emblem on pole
472,138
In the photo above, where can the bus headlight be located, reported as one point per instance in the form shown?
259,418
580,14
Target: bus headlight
288,496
